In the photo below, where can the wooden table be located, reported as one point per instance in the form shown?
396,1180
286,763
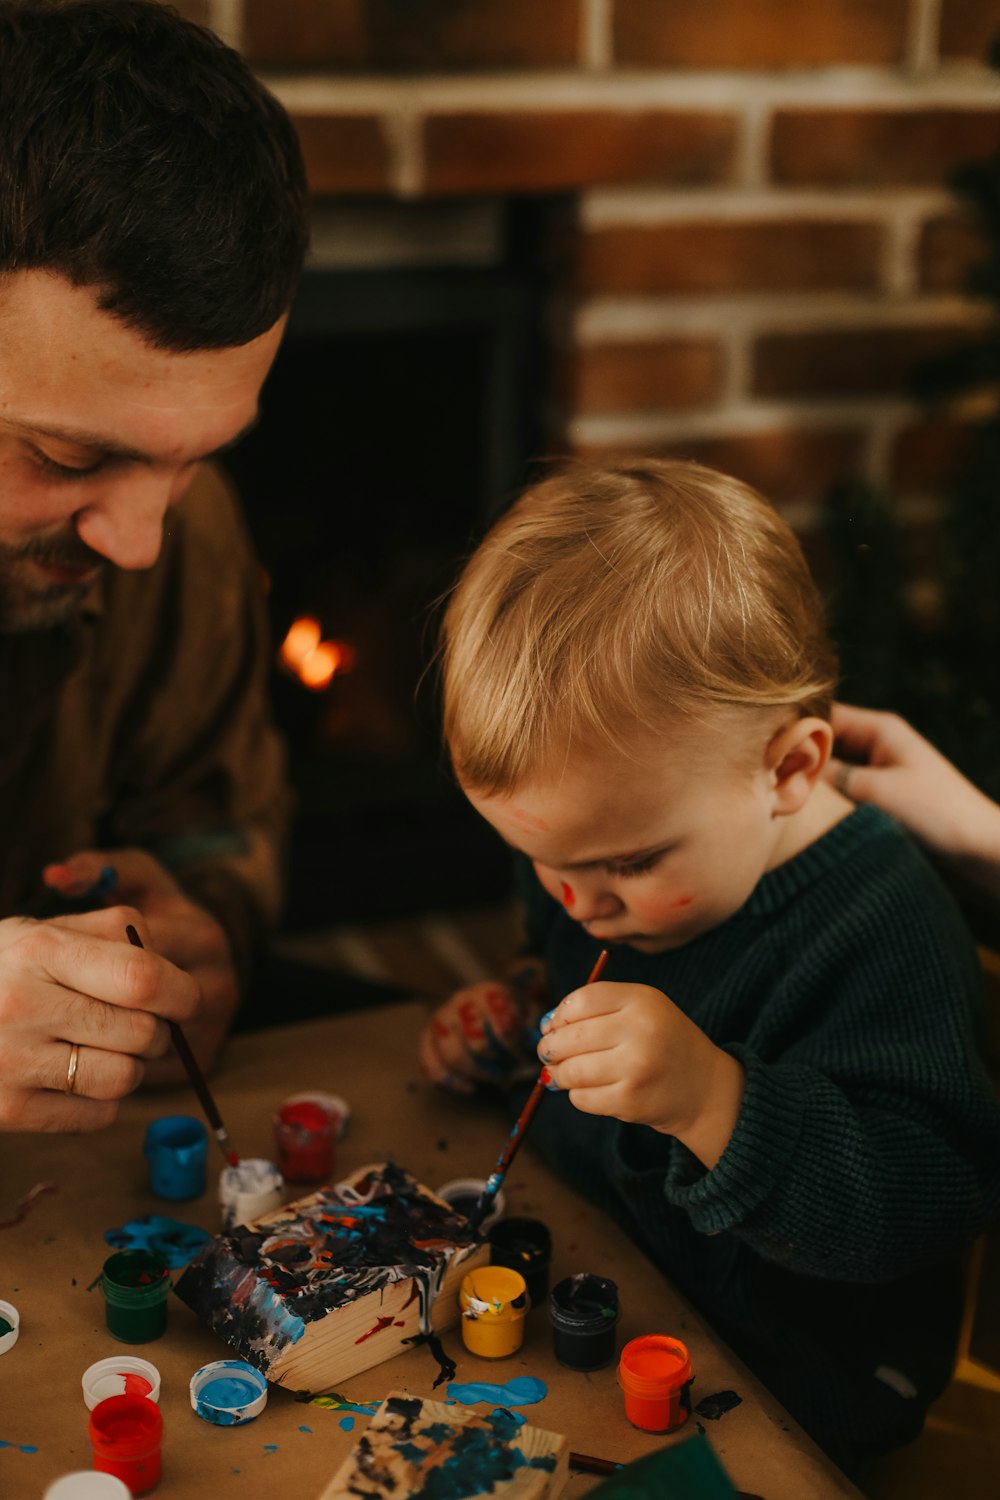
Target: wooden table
48,1260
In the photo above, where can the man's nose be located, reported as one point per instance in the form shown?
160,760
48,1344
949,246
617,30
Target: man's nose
124,523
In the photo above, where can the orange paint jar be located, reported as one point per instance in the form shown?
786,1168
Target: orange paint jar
654,1372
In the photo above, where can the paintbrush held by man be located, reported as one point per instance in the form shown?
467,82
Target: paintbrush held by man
776,1091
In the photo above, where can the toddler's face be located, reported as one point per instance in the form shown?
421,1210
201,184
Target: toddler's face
650,854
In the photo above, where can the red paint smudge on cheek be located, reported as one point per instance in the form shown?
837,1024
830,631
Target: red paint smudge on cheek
682,901
567,894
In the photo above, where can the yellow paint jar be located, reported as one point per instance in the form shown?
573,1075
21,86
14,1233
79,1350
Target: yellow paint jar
494,1301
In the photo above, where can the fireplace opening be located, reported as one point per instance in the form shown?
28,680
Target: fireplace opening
401,414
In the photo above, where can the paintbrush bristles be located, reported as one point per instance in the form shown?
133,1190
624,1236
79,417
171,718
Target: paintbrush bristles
194,1073
513,1142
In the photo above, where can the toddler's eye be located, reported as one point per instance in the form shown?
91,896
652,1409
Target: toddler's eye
635,866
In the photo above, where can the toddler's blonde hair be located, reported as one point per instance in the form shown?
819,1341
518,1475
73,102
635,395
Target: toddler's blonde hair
615,599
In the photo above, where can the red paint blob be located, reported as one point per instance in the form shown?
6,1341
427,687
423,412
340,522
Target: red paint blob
136,1385
683,901
380,1323
232,1158
567,894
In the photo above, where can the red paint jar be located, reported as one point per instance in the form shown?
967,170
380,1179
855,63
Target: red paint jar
126,1433
654,1373
303,1135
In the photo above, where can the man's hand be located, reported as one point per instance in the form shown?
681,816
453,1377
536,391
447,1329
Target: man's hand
626,1050
77,980
175,928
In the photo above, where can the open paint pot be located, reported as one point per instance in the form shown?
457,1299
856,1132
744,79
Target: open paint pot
583,1310
175,1147
122,1375
135,1284
654,1373
465,1192
494,1302
228,1392
126,1433
249,1191
303,1138
87,1484
10,1326
524,1245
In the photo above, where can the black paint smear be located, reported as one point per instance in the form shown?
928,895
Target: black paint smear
447,1368
715,1406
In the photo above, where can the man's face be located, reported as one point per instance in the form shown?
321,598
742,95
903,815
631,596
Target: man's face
654,852
100,433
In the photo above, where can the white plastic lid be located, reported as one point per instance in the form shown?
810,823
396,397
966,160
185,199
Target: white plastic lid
121,1375
88,1484
10,1314
472,1187
231,1410
250,1190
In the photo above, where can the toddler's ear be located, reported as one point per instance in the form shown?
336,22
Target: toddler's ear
795,758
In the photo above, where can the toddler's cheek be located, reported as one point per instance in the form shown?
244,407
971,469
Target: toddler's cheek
663,909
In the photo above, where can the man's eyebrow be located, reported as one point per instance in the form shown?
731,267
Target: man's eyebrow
113,449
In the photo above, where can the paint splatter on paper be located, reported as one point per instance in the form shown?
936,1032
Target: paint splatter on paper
523,1390
171,1238
715,1406
18,1447
22,1205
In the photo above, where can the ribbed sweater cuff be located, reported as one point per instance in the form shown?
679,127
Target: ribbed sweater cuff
755,1160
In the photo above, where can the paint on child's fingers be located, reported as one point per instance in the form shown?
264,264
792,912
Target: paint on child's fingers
546,1021
549,1081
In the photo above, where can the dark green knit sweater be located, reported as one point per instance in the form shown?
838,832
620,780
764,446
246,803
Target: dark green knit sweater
826,1244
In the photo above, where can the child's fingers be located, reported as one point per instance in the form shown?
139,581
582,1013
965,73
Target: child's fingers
598,999
603,1099
592,1070
576,1038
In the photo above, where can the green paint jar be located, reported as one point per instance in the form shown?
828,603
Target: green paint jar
135,1284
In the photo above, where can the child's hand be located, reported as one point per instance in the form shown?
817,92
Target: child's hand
626,1050
475,1037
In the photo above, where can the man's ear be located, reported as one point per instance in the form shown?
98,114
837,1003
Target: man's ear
795,758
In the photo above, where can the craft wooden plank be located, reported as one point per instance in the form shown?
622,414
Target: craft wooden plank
333,1284
415,1447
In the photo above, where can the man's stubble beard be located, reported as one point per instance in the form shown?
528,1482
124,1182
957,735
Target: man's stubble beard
24,609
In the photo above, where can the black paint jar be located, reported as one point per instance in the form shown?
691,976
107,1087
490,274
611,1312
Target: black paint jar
584,1313
524,1245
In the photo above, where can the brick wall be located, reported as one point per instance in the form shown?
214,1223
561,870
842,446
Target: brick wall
763,243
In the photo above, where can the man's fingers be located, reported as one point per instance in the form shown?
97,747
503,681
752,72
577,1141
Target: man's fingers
52,1112
99,1074
90,956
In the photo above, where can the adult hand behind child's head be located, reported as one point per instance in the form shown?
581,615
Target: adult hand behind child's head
880,758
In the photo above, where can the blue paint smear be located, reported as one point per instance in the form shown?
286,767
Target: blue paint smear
515,1416
177,1241
270,1447
337,1403
523,1390
410,1452
229,1390
305,1429
21,1447
347,1423
435,1432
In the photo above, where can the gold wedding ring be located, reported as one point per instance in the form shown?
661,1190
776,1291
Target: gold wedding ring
74,1063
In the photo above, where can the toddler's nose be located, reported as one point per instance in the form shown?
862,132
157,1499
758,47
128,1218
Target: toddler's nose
593,904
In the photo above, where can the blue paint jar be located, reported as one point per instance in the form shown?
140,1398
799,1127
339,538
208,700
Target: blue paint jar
228,1392
176,1147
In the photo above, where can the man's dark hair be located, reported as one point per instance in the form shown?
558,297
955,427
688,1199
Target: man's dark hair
139,156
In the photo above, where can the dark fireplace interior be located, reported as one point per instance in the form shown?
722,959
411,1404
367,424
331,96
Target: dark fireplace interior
400,416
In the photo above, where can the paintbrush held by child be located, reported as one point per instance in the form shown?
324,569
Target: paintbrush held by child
775,1086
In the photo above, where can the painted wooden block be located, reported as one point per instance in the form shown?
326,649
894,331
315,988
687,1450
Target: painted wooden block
337,1282
416,1448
